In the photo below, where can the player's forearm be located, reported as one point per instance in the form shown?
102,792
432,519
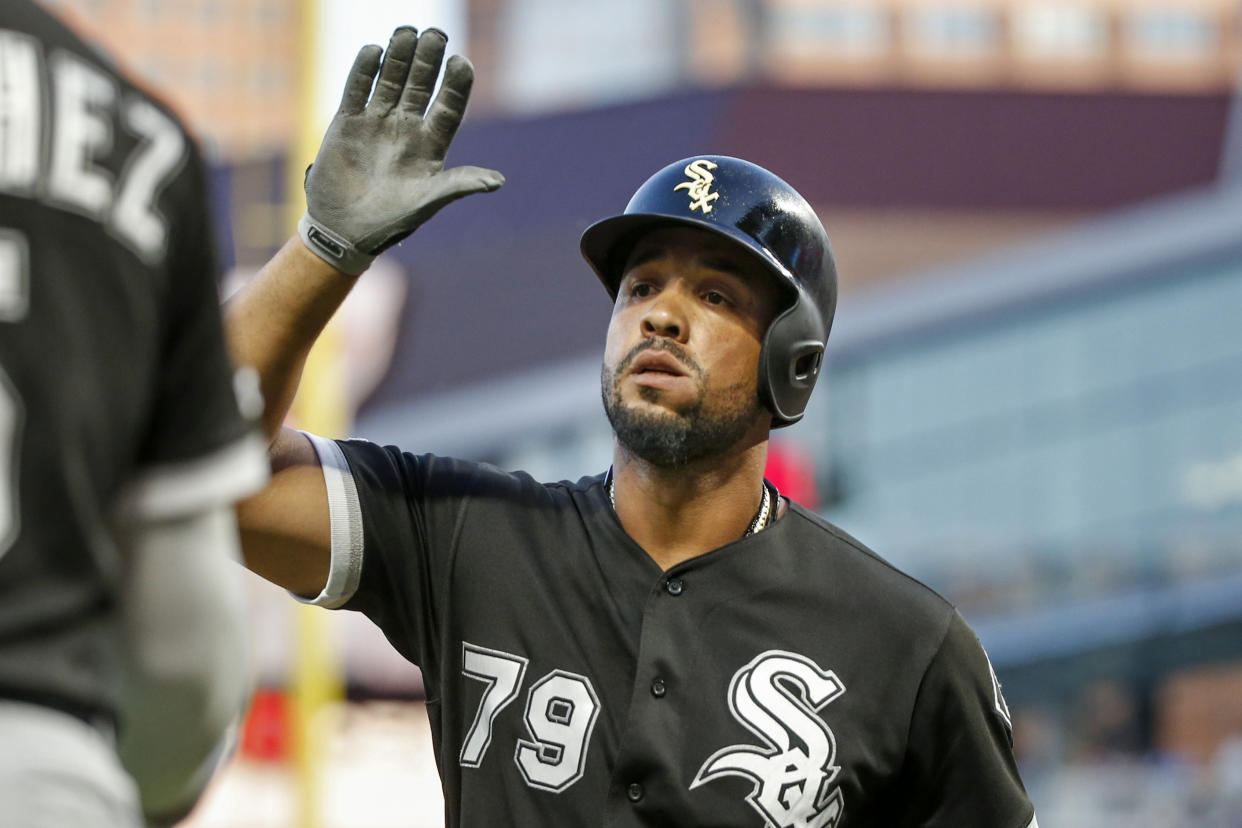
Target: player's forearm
272,323
185,646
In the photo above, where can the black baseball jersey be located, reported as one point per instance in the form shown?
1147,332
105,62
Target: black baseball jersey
791,678
116,392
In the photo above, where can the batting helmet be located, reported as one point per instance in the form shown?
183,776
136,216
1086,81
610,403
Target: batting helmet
753,208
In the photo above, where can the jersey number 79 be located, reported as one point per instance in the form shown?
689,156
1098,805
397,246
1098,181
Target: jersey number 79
561,709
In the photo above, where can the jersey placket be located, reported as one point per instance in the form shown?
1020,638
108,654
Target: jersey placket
644,777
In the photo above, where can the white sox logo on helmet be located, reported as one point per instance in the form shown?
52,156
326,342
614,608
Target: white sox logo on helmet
776,696
700,184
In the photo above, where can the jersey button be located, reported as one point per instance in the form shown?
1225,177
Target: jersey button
658,689
675,586
634,792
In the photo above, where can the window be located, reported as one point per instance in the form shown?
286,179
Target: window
952,29
1060,30
852,29
607,65
1171,32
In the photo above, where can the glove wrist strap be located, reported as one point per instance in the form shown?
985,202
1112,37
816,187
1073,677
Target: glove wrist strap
332,248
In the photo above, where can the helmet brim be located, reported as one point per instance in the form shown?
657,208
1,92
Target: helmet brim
606,245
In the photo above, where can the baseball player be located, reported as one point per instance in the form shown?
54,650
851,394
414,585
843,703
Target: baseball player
667,643
122,449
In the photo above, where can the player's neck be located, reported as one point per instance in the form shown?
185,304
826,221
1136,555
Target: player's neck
677,514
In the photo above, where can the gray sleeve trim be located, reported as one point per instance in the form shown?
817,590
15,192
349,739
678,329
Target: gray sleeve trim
170,490
345,515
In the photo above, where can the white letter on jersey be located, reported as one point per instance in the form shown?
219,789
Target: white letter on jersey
560,714
503,674
82,134
12,414
776,697
14,276
20,112
14,302
1002,707
163,149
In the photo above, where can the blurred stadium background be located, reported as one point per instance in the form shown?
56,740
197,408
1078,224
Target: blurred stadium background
1034,394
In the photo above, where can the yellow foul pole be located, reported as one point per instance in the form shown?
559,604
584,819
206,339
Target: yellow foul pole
321,407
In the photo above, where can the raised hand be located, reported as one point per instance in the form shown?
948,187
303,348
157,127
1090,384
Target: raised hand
380,171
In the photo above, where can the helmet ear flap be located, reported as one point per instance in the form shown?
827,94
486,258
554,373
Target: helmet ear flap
790,361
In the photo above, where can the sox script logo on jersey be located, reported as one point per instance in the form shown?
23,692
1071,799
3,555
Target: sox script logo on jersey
776,696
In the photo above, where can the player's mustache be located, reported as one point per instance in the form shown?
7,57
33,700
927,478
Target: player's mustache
679,353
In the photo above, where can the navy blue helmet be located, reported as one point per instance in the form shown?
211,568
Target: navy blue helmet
761,213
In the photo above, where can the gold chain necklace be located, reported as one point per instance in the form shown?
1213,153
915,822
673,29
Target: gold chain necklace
758,524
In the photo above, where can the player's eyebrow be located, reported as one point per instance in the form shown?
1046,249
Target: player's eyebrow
722,263
644,253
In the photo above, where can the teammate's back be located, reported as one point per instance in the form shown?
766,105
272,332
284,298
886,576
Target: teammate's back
116,399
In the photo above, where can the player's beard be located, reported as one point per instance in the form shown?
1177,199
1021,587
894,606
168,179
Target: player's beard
674,439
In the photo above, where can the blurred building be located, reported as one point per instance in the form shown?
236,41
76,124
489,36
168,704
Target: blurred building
560,53
232,68
228,66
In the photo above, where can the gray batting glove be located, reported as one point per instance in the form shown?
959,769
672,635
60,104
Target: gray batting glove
380,170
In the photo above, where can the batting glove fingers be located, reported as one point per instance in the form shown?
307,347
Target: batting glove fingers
380,171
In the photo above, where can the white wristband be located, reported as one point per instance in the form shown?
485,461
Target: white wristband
333,249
